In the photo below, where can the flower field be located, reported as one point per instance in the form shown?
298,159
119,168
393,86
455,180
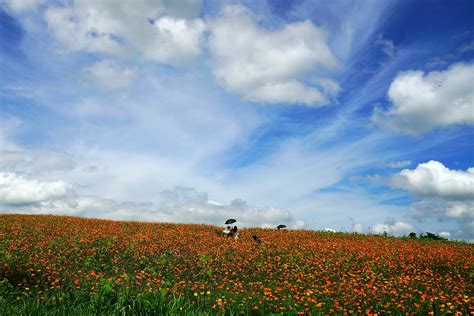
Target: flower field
63,265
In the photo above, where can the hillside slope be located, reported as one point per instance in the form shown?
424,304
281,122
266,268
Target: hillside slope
53,264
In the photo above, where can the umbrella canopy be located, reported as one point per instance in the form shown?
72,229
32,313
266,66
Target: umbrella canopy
281,226
230,221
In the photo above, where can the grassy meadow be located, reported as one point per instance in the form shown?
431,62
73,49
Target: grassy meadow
64,265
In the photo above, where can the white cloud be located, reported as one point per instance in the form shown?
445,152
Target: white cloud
170,132
82,205
387,46
15,158
392,227
36,161
460,209
266,65
298,168
351,25
16,190
178,41
110,74
192,206
156,30
328,86
76,34
442,209
468,47
358,228
19,6
433,179
334,209
445,194
181,205
398,164
462,212
445,234
285,92
423,101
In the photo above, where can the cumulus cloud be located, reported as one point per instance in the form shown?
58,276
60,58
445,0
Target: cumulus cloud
266,65
181,205
177,41
84,205
17,190
442,209
291,64
110,74
445,234
356,227
462,212
445,194
161,31
433,179
190,205
392,227
423,101
76,34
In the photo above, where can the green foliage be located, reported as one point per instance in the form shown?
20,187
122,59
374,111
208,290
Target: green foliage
109,301
431,236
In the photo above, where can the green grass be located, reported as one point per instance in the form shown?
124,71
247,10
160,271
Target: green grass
109,301
121,302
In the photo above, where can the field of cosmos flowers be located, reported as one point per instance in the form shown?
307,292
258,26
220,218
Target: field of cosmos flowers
63,265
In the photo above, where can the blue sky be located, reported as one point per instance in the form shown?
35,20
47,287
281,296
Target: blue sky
352,116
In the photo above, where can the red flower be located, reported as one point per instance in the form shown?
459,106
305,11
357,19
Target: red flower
76,282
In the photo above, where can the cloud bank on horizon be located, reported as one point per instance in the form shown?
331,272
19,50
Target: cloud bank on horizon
315,114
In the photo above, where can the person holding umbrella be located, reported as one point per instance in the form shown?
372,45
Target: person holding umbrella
227,231
234,233
231,232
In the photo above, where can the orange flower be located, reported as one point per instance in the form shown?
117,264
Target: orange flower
296,272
